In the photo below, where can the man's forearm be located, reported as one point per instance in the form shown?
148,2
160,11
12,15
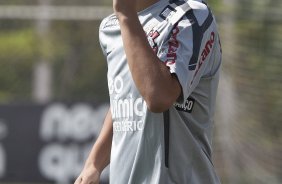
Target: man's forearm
100,153
158,87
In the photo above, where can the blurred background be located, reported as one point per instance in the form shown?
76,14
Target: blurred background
54,96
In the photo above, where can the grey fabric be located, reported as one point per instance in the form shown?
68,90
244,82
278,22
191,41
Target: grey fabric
190,48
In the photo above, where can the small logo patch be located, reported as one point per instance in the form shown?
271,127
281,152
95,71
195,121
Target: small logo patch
167,12
187,106
151,38
111,23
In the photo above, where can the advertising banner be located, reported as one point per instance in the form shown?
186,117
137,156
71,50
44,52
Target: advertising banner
47,143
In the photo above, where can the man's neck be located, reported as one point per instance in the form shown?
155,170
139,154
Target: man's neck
143,4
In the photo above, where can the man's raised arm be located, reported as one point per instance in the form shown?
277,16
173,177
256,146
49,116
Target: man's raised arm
159,88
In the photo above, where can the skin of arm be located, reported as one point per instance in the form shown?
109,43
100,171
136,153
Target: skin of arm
159,88
99,156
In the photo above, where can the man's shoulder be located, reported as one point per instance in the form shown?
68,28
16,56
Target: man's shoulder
199,12
198,7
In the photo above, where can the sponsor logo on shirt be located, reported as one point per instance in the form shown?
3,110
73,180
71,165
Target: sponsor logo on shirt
127,126
187,106
167,12
173,45
205,53
127,111
207,49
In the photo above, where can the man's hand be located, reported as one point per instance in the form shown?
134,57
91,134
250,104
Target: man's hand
89,175
125,7
99,156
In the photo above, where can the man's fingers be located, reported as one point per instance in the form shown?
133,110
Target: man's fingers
88,179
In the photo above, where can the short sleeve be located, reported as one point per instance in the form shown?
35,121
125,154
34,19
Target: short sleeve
186,53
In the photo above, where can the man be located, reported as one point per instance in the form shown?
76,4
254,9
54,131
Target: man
163,67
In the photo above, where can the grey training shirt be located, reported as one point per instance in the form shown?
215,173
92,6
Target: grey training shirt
174,146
